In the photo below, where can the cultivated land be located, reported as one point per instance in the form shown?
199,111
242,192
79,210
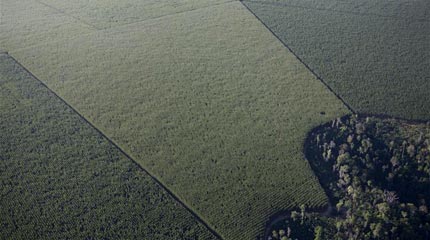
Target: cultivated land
207,100
374,54
61,179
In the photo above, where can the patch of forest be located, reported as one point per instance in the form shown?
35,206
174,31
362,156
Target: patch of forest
376,172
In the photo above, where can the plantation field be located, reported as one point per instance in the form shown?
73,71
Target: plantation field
208,101
60,179
374,54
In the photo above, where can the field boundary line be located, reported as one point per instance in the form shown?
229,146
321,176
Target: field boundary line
301,60
106,30
68,15
169,14
363,14
155,179
129,23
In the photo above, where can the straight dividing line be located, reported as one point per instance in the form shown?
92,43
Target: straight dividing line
117,26
301,60
130,23
158,182
69,15
170,14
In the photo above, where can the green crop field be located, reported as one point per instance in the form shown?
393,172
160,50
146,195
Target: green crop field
186,119
374,54
60,179
207,100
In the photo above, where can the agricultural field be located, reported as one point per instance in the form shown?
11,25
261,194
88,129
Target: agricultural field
61,179
208,101
374,54
187,119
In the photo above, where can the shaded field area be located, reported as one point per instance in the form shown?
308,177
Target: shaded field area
61,179
374,54
208,101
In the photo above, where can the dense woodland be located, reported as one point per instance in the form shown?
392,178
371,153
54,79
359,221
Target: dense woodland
376,173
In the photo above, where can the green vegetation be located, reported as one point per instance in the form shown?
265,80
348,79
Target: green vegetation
378,173
208,101
311,226
202,96
60,179
374,54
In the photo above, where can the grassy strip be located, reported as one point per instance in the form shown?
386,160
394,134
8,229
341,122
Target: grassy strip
378,64
208,101
61,179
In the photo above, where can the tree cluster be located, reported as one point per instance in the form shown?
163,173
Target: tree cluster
382,172
377,172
